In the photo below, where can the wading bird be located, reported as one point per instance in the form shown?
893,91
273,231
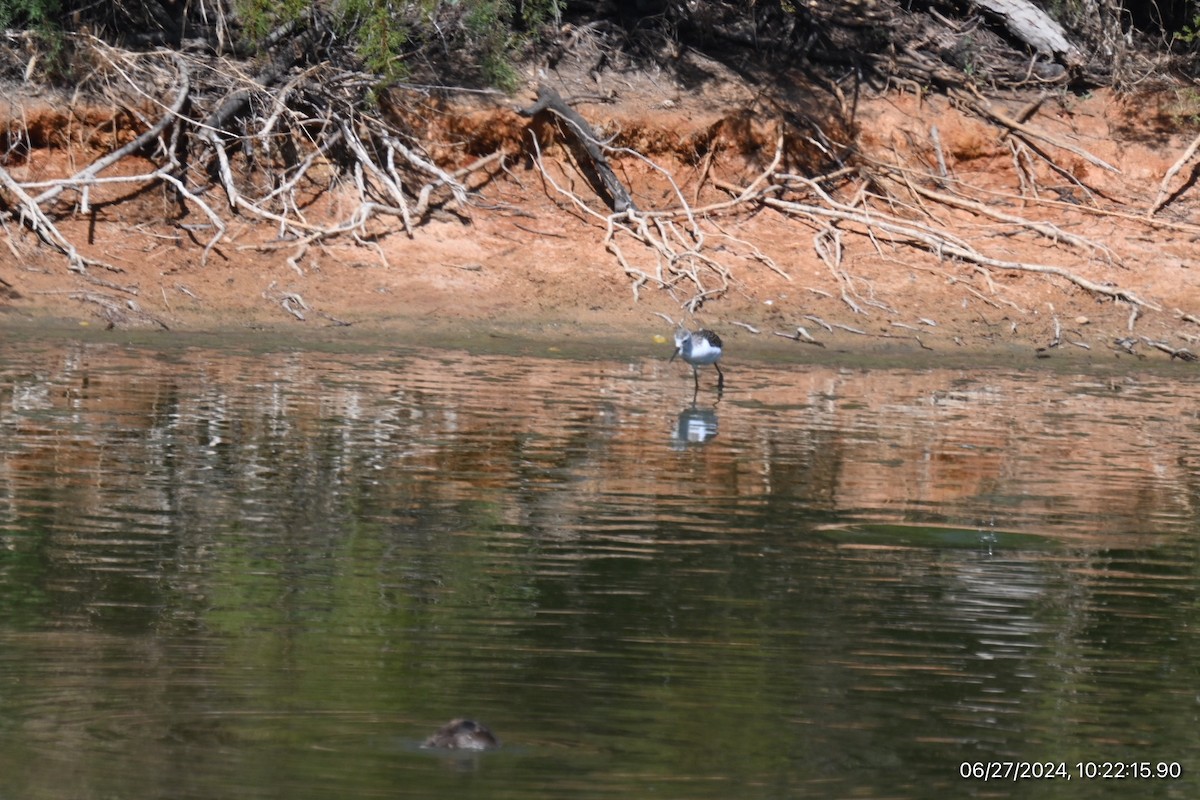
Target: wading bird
697,349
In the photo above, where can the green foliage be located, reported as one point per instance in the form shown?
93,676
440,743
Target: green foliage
260,17
496,29
30,13
1190,31
486,33
469,37
482,34
487,23
379,34
1183,25
461,38
535,13
41,17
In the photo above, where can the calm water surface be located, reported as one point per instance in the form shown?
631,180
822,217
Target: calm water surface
236,573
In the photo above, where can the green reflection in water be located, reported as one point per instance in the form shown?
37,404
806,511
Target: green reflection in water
273,574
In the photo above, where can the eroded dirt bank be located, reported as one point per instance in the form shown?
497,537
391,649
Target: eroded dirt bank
1058,217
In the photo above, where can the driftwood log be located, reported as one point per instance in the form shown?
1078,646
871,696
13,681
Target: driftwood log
1036,28
603,179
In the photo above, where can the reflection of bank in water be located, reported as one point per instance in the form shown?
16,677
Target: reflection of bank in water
695,426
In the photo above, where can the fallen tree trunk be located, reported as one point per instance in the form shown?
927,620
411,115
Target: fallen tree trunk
1035,28
617,198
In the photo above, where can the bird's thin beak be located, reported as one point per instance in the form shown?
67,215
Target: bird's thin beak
672,358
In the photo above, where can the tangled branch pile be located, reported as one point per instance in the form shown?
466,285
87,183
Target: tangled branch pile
294,136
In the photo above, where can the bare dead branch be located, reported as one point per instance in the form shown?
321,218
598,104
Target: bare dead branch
1161,199
32,216
1183,354
984,108
137,145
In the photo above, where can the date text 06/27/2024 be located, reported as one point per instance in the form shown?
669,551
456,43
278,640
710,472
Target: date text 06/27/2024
1062,771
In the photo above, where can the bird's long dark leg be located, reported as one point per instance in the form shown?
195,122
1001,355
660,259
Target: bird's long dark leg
720,377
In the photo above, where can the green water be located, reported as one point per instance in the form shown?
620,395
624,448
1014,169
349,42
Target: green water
227,573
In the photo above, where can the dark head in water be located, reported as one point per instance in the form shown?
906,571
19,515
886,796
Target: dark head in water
463,734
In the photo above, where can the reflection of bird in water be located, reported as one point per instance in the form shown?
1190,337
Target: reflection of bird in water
695,426
463,734
698,349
